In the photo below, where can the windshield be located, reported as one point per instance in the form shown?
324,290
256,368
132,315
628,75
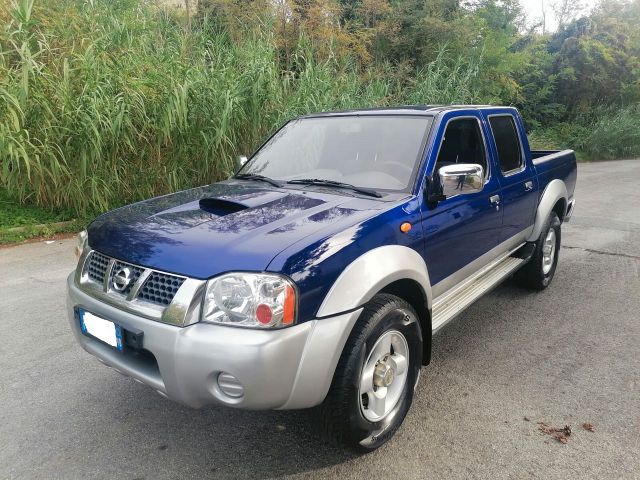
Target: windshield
378,152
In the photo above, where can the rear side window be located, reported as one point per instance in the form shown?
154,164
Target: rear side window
507,142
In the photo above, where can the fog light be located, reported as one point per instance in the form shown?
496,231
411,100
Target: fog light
230,385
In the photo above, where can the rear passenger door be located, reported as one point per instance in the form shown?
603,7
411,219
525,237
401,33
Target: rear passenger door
518,181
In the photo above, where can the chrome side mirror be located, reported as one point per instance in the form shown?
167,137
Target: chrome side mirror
461,178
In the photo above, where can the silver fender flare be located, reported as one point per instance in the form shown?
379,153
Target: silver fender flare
356,285
370,273
555,190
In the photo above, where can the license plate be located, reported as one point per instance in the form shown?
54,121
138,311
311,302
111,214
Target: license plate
104,330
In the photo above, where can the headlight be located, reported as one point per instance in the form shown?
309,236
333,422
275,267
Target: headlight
259,300
82,242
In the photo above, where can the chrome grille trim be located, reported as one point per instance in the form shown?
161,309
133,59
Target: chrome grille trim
107,276
176,303
135,289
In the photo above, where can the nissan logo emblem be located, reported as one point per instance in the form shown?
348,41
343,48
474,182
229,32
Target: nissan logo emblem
121,279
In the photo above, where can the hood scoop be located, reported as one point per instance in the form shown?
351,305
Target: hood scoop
220,207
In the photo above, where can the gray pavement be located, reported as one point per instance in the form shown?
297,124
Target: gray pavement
566,356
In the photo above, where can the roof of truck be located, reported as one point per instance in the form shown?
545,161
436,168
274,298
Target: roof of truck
399,110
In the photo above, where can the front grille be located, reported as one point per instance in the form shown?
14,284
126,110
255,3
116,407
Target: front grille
160,288
97,266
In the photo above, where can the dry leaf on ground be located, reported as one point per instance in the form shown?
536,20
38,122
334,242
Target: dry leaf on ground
560,434
589,426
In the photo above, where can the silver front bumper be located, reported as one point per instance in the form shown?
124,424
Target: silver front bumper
287,368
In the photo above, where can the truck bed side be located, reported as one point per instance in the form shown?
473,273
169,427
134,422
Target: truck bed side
555,164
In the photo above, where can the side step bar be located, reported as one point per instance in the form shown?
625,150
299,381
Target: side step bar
454,301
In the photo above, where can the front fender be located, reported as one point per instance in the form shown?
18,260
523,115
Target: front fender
370,273
555,190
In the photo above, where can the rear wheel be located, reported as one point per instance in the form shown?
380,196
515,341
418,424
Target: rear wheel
539,271
372,389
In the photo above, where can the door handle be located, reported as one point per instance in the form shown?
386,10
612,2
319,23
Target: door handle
528,186
495,201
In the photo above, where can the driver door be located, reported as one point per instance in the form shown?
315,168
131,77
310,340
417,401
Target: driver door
462,231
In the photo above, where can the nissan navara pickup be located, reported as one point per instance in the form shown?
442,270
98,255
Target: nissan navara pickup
319,273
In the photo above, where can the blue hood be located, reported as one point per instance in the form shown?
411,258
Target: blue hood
232,225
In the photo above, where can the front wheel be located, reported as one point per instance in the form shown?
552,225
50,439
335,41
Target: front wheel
373,386
538,272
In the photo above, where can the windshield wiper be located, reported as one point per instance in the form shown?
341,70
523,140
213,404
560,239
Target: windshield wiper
333,183
255,176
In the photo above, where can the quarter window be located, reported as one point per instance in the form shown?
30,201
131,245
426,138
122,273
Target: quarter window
507,142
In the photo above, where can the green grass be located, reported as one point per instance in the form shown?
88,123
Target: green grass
39,231
14,214
20,222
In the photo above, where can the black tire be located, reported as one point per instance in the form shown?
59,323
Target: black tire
342,417
532,275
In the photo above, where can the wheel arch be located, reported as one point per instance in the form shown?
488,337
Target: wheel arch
370,273
554,198
394,269
560,208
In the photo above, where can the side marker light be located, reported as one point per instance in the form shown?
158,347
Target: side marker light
405,227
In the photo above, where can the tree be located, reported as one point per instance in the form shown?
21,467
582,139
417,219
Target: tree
566,11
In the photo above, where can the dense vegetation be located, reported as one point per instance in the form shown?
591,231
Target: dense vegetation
103,102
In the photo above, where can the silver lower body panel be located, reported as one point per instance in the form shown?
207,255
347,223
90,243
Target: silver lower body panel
458,291
287,368
451,304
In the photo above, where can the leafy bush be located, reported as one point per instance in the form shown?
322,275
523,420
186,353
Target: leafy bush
613,134
558,137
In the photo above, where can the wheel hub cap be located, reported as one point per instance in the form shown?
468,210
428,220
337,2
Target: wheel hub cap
384,376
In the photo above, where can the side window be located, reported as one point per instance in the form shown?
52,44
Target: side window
462,143
507,142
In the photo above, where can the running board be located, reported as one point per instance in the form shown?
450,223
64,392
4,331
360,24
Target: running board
453,302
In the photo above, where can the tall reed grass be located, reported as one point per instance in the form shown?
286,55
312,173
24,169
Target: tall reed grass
615,134
104,102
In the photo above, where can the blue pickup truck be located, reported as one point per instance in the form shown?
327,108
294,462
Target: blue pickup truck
320,272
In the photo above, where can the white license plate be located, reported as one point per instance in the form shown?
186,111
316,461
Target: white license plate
102,329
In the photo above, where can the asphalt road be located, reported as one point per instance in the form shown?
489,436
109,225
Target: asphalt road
566,356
